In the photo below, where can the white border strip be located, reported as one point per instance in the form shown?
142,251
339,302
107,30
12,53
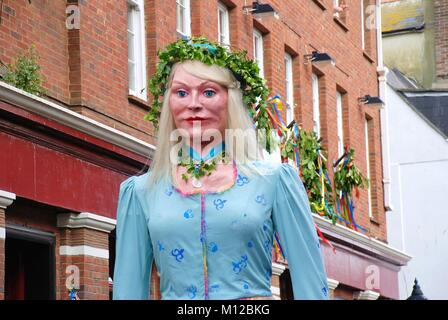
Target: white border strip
2,233
366,295
353,238
83,251
63,115
332,284
277,268
275,292
86,220
6,198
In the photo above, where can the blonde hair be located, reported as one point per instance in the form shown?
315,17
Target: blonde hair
237,118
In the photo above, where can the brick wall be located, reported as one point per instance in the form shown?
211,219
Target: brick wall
441,38
42,24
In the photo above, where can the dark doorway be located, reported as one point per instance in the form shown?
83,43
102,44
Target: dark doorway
286,292
29,264
112,241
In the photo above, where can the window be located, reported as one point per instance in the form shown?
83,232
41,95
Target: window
336,5
223,25
368,164
340,123
339,10
316,111
368,19
183,18
289,89
136,49
258,50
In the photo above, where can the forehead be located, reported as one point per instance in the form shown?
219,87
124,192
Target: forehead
182,77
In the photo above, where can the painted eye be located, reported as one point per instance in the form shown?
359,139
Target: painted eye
209,93
181,93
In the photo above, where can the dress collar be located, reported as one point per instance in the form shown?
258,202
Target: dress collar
215,151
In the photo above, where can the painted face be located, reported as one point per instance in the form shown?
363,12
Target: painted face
195,101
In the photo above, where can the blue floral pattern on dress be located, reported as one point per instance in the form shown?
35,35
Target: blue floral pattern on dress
265,225
192,290
219,203
267,246
242,180
245,284
214,287
169,191
178,254
260,199
213,247
268,274
161,246
188,214
240,265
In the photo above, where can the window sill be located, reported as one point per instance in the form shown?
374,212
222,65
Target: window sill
374,221
320,4
341,23
368,56
139,102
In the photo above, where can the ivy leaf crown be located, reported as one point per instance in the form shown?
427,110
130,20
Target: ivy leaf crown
246,71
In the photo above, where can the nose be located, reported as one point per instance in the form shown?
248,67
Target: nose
194,103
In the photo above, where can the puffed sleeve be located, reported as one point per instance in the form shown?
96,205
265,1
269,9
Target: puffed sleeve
133,253
294,223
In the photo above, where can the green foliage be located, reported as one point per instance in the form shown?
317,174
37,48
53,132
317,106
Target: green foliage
347,176
313,169
25,73
314,172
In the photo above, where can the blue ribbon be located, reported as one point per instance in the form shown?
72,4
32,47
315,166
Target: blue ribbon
214,152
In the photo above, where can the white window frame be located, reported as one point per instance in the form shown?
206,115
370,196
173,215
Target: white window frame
223,30
289,86
258,50
186,9
316,107
369,190
340,123
138,43
335,5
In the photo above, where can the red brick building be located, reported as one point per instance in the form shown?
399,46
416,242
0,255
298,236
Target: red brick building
64,156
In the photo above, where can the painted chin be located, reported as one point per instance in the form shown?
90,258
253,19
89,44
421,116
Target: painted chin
193,126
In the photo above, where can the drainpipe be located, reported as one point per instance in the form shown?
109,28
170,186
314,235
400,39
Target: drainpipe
384,117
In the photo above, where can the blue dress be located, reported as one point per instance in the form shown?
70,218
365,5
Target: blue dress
217,245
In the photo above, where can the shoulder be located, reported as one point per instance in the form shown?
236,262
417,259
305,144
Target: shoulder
265,167
135,183
278,169
131,200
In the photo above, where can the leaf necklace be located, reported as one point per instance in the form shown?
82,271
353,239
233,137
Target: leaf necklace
198,166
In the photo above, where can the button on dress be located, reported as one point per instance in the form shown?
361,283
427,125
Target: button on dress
217,245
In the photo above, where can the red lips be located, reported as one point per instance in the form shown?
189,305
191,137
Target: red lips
191,119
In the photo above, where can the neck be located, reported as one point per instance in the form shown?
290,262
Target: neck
203,148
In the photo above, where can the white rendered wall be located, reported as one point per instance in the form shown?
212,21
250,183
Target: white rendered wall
418,224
